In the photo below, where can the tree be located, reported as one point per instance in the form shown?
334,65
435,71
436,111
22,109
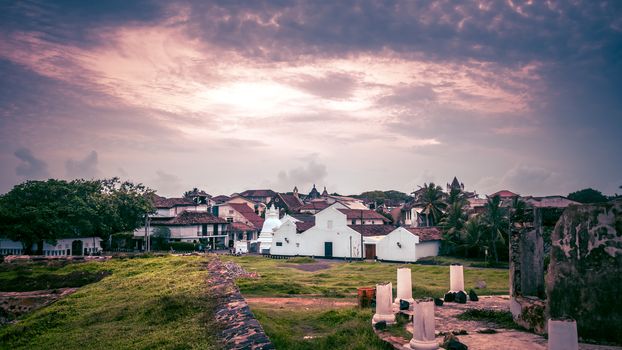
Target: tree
472,236
431,199
43,211
495,222
587,195
191,193
452,224
161,236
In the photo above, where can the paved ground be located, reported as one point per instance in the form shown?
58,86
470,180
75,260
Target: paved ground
506,339
446,321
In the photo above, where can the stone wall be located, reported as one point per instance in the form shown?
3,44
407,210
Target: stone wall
238,327
584,280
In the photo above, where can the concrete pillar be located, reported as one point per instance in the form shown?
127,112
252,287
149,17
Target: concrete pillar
384,305
423,326
456,278
404,286
563,335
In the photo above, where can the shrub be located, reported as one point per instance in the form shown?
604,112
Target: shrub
183,246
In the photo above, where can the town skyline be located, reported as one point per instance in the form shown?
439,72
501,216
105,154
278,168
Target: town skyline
354,96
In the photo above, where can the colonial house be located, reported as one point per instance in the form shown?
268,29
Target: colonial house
63,247
259,196
335,236
257,207
245,223
287,202
188,220
220,199
313,207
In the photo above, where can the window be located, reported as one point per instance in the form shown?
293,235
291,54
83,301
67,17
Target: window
229,220
353,222
230,211
329,224
279,244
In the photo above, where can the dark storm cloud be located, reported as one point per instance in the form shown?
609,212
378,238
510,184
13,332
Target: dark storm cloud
74,21
31,167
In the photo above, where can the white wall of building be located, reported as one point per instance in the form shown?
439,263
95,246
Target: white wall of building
63,247
428,248
330,226
388,249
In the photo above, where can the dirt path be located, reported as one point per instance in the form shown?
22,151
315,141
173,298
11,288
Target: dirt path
305,303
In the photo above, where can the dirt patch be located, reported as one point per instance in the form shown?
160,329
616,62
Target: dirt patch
312,267
305,303
16,304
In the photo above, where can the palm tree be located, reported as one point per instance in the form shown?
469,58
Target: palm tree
452,224
495,221
432,201
472,235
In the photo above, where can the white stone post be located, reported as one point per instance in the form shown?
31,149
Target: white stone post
404,286
563,335
456,278
384,298
423,326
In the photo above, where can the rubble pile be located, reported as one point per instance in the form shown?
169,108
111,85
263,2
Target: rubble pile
238,327
237,271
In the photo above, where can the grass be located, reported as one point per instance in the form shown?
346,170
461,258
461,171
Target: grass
467,262
148,303
342,279
502,319
23,277
343,328
319,329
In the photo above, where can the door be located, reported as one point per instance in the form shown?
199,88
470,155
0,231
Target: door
328,249
370,251
76,247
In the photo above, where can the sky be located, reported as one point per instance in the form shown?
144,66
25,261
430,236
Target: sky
352,95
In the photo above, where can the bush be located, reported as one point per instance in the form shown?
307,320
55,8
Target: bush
183,246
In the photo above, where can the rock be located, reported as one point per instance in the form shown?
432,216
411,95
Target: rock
473,295
459,332
461,297
438,301
449,297
480,284
404,305
451,342
381,325
487,331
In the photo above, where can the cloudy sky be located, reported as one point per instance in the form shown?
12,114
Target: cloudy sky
233,95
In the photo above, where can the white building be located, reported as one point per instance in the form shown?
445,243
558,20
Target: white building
337,234
63,247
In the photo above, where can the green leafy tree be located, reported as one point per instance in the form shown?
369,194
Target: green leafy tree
452,224
496,224
431,198
587,195
473,237
160,238
43,211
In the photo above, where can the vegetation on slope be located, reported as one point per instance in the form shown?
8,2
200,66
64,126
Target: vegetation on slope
145,303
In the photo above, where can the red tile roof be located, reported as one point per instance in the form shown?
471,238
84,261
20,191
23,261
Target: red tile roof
373,230
248,213
162,202
258,193
426,233
240,226
195,218
504,193
220,199
315,205
290,200
364,214
302,226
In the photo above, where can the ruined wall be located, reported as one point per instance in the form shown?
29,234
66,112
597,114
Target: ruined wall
584,279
